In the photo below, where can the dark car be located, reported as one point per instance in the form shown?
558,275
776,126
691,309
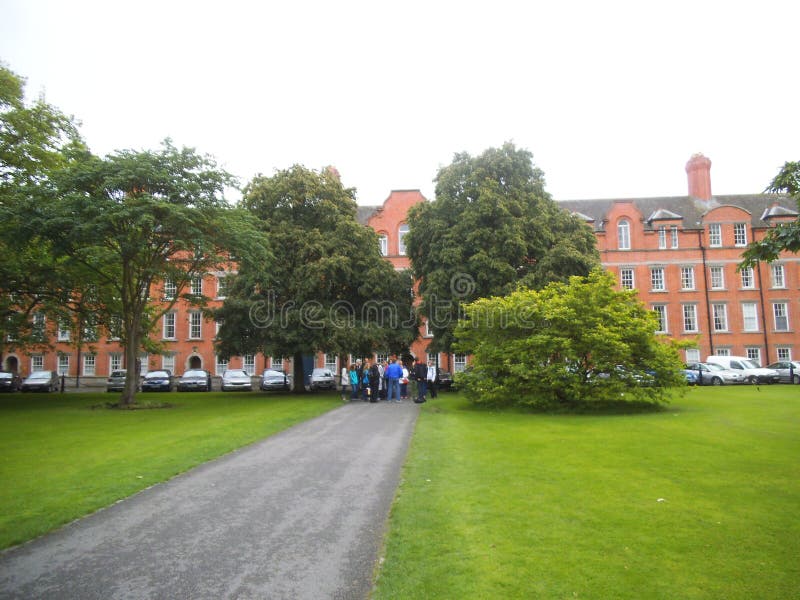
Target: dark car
157,381
41,381
116,381
272,379
788,370
236,379
9,381
195,380
445,381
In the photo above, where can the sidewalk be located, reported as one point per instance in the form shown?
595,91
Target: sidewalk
298,515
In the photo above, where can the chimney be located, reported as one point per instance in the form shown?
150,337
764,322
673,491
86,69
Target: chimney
698,169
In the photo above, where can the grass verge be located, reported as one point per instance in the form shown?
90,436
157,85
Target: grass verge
697,501
64,455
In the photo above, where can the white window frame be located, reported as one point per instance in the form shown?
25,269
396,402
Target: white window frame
780,315
722,352
168,362
749,316
401,242
754,354
459,362
662,237
689,318
222,287
89,365
740,234
783,353
220,365
687,278
778,276
63,364
64,332
197,286
719,319
169,320
747,278
657,280
37,362
383,244
195,325
114,361
715,235
673,232
170,289
692,355
717,273
661,312
623,234
144,363
249,363
627,279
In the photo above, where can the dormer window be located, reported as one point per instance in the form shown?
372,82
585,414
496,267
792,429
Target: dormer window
624,235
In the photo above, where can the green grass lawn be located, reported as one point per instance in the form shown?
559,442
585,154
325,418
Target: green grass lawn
60,459
698,501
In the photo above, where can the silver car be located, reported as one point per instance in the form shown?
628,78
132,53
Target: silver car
236,379
714,374
41,381
322,379
788,370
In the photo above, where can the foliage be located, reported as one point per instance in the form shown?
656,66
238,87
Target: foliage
329,288
492,226
566,345
786,236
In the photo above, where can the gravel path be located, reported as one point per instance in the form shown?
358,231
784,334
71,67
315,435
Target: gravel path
298,515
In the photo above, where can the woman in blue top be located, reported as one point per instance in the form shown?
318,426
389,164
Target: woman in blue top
353,382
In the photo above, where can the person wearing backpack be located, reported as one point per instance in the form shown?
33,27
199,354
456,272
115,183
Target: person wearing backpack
374,382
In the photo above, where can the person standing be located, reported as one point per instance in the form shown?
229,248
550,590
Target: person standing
344,378
432,376
353,382
404,383
382,380
374,381
393,374
420,374
364,377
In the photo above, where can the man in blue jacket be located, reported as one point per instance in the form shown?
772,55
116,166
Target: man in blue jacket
393,374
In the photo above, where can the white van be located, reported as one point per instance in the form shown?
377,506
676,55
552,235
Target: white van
751,372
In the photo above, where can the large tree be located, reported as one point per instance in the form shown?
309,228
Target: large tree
566,345
786,236
491,228
135,219
329,288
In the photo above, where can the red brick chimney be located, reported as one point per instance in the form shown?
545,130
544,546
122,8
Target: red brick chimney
698,169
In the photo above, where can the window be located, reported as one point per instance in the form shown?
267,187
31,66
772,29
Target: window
63,331
382,357
197,286
331,362
195,325
170,289
722,352
222,287
754,354
784,353
673,231
690,317
114,361
401,239
687,278
624,235
144,363
657,279
740,234
115,328
717,278
169,326
748,281
90,331
626,279
781,312
37,362
750,316
778,280
89,364
249,363
168,362
222,365
459,362
383,244
715,235
662,237
692,355
63,364
720,312
276,362
37,327
428,332
661,313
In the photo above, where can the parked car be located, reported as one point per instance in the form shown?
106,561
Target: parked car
272,379
41,381
9,381
322,379
751,372
236,379
116,381
157,381
445,381
692,377
195,380
714,374
788,370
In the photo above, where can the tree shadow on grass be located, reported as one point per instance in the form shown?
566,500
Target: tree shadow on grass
136,406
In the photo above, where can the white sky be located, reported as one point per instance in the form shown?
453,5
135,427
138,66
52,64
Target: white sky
611,97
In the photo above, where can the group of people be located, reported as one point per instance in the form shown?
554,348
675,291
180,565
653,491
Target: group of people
389,380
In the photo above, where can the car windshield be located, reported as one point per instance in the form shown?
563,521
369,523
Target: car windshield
749,364
236,374
715,367
156,375
118,373
194,374
273,374
6,375
40,375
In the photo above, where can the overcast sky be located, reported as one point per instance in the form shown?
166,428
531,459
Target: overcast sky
611,97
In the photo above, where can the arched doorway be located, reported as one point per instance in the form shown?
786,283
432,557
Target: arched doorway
12,364
195,362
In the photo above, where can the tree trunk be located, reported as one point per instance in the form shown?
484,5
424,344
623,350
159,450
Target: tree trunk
131,366
299,376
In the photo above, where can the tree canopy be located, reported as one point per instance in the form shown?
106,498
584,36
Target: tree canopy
491,228
328,290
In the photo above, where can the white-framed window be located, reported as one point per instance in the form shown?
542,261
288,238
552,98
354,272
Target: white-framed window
673,232
222,286
778,276
687,278
428,332
780,311
276,362
168,362
195,325
624,235
714,235
217,327
722,352
115,328
383,244
90,332
717,278
197,286
784,353
720,314
740,234
657,279
222,365
63,364
89,364
750,316
63,331
382,357
661,314
662,237
692,355
144,363
748,281
38,326
401,239
689,318
626,280
754,354
249,363
37,362
331,361
170,289
169,326
459,362
114,361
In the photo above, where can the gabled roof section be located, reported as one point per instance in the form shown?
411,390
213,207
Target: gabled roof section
663,215
776,211
364,213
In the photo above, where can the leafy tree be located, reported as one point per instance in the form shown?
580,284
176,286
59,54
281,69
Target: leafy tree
134,219
329,288
786,236
492,227
567,345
